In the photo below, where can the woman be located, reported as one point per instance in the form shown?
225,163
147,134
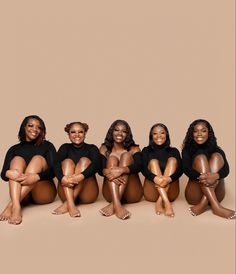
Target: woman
162,168
205,164
28,167
121,164
77,163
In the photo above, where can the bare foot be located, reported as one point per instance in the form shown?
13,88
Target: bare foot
122,213
107,210
225,213
169,210
74,212
159,207
16,217
6,214
197,209
62,209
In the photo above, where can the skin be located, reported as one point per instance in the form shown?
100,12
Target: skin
24,180
161,192
73,186
208,190
118,184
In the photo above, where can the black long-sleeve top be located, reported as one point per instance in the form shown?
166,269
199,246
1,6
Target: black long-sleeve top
162,154
69,151
135,167
27,150
189,157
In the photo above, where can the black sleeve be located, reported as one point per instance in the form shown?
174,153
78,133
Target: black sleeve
187,166
103,160
224,171
60,156
50,157
6,165
145,171
179,170
137,165
95,164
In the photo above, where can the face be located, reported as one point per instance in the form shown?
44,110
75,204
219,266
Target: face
159,135
200,133
76,134
32,130
119,133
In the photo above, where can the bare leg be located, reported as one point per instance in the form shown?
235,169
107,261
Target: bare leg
116,191
201,164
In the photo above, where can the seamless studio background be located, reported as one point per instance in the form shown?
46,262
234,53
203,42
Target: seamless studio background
97,61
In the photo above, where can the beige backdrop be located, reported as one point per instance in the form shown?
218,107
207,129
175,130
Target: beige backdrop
97,61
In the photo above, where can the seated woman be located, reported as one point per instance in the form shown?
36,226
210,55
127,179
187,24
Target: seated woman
75,168
162,168
28,167
121,163
205,164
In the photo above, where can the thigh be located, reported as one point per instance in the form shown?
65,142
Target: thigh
173,191
150,193
134,191
44,192
89,192
193,192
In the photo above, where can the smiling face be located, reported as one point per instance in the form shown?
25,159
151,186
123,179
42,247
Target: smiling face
32,130
76,134
119,133
159,135
200,133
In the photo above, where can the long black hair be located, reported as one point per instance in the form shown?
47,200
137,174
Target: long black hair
152,143
21,133
128,142
191,145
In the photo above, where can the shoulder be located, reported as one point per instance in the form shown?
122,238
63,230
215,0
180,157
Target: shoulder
103,150
146,149
13,148
135,149
91,146
48,144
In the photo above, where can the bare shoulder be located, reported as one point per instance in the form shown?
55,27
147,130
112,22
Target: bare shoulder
103,150
134,149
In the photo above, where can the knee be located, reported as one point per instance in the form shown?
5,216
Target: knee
84,161
216,156
16,161
67,161
172,161
38,159
112,161
153,163
199,158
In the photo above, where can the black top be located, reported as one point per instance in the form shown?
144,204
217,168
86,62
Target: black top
69,151
162,154
189,157
135,167
27,150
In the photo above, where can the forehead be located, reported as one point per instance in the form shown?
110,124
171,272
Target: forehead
76,127
120,126
158,129
33,121
200,126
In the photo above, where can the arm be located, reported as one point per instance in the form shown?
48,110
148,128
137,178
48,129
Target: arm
6,165
187,166
179,170
60,156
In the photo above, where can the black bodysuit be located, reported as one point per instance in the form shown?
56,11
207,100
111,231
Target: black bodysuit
27,150
69,151
162,154
201,149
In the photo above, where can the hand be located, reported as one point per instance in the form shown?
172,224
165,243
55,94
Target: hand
67,181
120,181
29,179
13,174
113,173
209,179
162,181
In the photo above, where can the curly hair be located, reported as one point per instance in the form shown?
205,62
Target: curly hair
42,134
83,125
191,145
152,143
128,142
